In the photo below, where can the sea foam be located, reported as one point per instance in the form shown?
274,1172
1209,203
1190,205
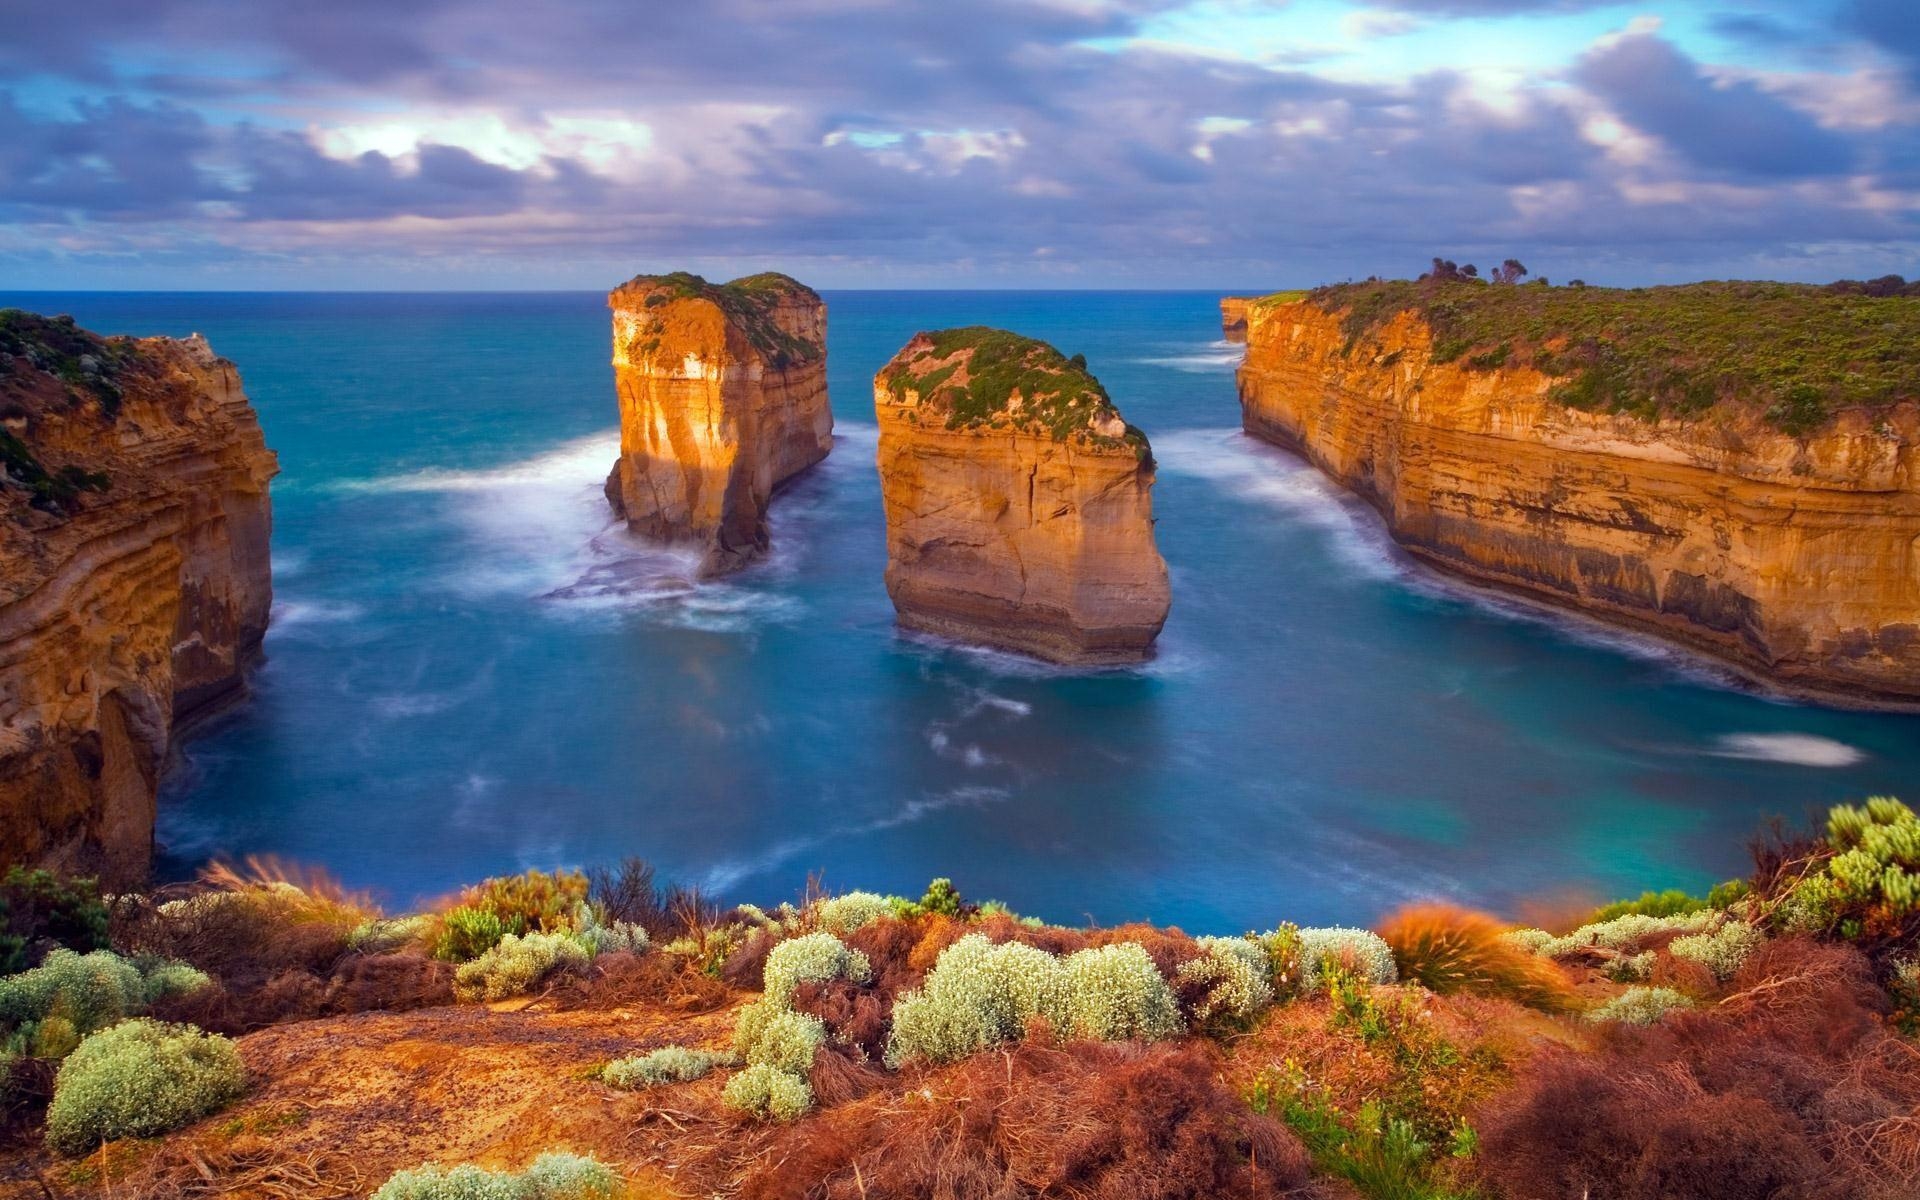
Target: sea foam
1793,749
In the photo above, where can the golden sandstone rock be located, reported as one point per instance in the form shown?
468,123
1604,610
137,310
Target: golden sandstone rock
134,577
723,397
1019,504
1233,317
1796,558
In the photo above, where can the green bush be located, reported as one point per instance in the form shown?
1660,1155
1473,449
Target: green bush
976,995
1869,884
941,898
1670,903
764,1091
38,906
553,1176
86,992
1115,993
1358,952
530,902
778,1037
842,915
141,1078
467,933
813,957
1640,1006
1722,950
669,1064
516,965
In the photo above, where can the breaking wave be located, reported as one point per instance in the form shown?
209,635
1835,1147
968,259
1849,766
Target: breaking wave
1793,749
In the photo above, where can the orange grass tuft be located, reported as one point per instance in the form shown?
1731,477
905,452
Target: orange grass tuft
1449,949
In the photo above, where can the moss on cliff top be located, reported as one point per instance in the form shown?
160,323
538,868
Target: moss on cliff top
35,350
1799,351
1058,395
748,302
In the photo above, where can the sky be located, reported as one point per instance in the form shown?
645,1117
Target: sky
1231,144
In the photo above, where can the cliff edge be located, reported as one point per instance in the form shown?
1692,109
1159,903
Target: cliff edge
1730,465
723,397
1018,502
134,577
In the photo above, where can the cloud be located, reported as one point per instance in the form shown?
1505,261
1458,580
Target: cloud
1727,126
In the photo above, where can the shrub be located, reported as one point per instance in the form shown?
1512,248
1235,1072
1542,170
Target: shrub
516,965
977,994
140,1078
1357,952
530,902
942,898
1114,993
1237,977
1283,958
38,906
1670,903
815,957
1865,883
669,1064
86,992
1903,984
767,1035
1640,1006
1621,935
766,1091
552,1176
599,937
1447,949
1722,950
841,915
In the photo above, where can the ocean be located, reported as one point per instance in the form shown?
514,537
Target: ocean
470,670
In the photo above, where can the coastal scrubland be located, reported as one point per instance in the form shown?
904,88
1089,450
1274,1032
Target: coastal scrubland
1798,353
264,1032
979,377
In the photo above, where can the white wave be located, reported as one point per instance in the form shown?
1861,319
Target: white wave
1794,749
1249,468
288,563
723,877
1220,357
293,613
541,528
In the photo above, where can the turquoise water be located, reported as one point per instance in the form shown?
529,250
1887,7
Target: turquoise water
469,671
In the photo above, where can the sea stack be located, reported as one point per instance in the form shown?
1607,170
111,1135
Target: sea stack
1733,466
1233,317
723,398
1019,503
134,577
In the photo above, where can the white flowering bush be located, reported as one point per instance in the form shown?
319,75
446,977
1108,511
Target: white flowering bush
765,1091
140,1078
516,964
842,915
1238,976
90,991
811,958
599,937
669,1064
552,1176
977,994
1640,1006
1623,935
1361,952
1114,994
778,1037
1721,950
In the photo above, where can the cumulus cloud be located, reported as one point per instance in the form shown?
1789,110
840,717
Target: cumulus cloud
1019,139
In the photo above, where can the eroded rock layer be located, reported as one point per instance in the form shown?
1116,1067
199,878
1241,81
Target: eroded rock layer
723,397
1233,318
1019,504
1793,555
134,577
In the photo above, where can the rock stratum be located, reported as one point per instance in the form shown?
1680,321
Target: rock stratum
723,398
1019,504
1233,317
1567,448
135,589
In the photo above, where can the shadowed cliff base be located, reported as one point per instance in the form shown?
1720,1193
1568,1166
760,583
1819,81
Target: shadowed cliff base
134,577
723,398
1723,518
1018,501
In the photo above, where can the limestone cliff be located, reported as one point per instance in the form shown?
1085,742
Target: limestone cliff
134,577
1233,317
723,397
1792,552
1019,504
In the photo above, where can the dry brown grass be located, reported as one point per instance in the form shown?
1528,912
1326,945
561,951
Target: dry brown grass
1450,949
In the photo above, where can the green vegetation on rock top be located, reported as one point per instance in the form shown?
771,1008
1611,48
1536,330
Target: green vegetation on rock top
748,302
86,365
1800,352
1058,395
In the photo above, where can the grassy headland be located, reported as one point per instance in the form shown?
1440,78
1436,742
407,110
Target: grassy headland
748,302
982,377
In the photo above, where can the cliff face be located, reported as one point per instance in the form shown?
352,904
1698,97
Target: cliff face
1019,504
1795,557
1233,317
134,577
723,397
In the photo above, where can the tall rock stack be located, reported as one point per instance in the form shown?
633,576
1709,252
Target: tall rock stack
1019,503
723,398
134,577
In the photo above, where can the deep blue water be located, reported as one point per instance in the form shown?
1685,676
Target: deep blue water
469,671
